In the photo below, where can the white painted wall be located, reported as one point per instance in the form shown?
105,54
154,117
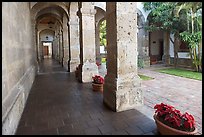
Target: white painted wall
180,54
155,36
43,37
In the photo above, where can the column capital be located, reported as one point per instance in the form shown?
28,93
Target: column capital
87,11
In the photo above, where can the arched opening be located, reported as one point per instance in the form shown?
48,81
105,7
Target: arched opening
142,40
156,44
46,43
100,35
50,16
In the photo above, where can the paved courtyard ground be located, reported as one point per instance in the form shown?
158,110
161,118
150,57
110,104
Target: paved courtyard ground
59,105
183,93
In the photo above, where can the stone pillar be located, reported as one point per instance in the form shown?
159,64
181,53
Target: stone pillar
87,42
61,47
65,42
35,42
122,88
55,47
74,41
166,56
97,36
58,46
41,50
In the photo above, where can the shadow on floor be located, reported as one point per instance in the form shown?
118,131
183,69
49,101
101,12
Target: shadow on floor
59,105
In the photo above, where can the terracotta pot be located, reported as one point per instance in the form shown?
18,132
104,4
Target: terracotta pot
166,130
97,87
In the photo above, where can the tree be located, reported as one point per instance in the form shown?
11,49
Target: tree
103,33
163,17
193,34
184,20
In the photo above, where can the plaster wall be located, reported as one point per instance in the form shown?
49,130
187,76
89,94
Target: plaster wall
18,62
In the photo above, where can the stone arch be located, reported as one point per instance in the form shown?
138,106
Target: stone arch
57,10
101,5
100,13
50,31
156,44
140,16
37,7
142,40
57,17
144,13
99,17
45,35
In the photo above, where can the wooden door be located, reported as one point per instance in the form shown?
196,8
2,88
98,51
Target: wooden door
45,51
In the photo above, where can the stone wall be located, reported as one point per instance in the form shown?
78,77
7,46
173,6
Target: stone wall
18,62
182,62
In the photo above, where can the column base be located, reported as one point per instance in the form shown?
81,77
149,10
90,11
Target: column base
65,63
73,65
88,70
166,59
123,93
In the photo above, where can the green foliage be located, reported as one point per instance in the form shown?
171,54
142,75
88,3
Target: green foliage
103,60
162,17
143,77
103,33
179,17
192,39
140,63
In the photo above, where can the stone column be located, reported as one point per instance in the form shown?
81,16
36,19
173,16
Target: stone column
35,42
97,36
41,50
65,42
122,88
166,56
58,46
55,48
87,42
61,47
74,41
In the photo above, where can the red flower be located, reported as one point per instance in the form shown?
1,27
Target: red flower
189,120
173,117
98,79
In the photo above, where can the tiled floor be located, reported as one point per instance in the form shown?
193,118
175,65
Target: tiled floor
59,105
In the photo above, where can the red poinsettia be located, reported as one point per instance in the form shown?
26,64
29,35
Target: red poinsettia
97,79
173,117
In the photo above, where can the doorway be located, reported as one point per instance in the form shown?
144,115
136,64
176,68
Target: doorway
47,49
161,49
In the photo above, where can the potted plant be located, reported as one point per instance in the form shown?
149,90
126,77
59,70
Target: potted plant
97,83
171,121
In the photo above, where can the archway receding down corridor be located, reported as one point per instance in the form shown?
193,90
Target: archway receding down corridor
59,104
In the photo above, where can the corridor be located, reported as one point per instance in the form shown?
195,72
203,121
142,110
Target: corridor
59,105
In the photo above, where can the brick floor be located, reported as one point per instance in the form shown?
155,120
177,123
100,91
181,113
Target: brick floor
59,105
183,93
